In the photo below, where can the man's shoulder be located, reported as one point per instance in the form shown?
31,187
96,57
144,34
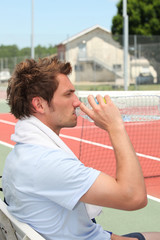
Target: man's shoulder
36,147
42,152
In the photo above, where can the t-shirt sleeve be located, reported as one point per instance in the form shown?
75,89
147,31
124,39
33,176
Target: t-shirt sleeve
62,178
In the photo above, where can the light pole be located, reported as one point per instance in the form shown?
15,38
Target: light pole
32,34
125,44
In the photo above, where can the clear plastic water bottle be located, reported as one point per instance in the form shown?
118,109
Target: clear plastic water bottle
119,104
80,113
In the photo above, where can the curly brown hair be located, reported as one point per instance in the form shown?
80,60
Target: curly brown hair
31,79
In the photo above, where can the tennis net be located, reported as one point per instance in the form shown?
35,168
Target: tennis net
141,114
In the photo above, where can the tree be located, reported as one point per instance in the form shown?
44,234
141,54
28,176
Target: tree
8,51
11,55
144,17
13,51
44,51
25,51
144,22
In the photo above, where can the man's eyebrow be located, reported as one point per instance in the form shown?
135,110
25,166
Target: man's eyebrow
69,91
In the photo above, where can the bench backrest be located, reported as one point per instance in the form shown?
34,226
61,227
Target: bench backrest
12,229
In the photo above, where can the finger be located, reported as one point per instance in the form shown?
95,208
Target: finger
107,99
100,99
84,108
92,101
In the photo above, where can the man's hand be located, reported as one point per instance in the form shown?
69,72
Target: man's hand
105,115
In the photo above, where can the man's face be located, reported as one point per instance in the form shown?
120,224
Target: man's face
61,112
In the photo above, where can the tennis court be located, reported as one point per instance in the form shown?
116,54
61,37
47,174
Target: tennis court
93,147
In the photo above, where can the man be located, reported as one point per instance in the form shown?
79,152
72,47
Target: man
44,184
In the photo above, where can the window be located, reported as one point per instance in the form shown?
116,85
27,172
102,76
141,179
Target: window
61,56
78,68
117,67
82,50
97,67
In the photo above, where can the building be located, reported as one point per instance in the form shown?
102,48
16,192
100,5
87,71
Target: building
95,56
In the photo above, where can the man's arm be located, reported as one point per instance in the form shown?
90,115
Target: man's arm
127,191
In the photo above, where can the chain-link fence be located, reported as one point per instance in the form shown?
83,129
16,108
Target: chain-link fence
100,60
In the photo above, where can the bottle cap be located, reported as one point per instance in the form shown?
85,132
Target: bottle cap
97,100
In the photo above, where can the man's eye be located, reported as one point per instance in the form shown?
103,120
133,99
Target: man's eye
69,93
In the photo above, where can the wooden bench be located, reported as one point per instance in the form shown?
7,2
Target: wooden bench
12,229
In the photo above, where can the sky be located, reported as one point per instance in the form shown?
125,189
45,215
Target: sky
54,20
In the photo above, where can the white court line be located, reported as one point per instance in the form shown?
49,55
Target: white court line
6,144
92,143
147,156
11,146
86,141
105,146
7,122
153,198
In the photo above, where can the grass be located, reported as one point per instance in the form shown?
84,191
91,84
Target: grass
103,87
4,108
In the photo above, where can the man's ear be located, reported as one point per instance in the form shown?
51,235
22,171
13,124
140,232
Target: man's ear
38,104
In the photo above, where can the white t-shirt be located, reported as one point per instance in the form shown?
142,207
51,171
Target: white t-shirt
43,186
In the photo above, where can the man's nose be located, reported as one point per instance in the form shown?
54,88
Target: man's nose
77,102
